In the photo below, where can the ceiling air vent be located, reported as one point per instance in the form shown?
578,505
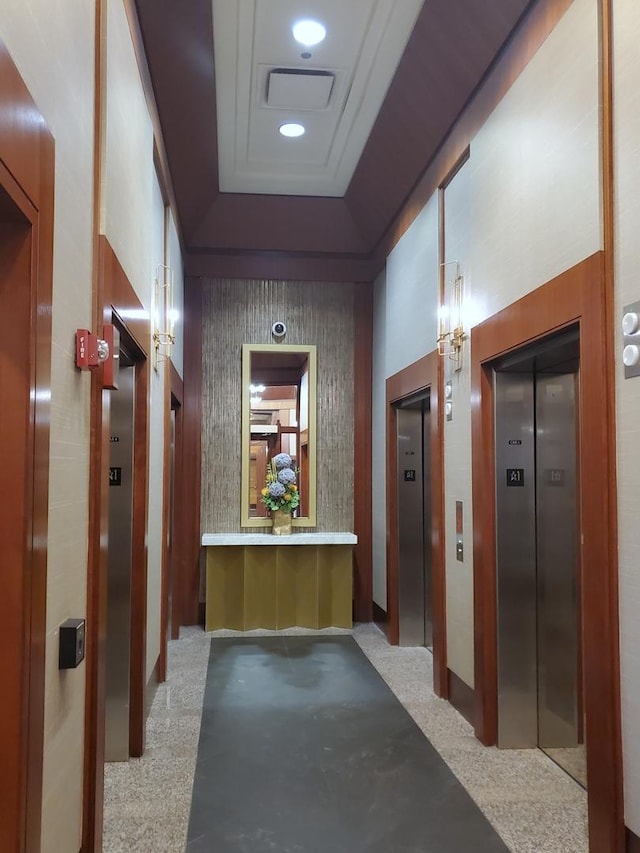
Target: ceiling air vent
298,89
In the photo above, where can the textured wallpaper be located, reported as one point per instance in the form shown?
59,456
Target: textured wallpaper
236,312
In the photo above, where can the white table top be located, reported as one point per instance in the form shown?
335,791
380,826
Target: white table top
270,539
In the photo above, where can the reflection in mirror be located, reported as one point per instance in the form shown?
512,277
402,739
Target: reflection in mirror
278,416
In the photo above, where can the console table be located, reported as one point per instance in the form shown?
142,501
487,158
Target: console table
257,580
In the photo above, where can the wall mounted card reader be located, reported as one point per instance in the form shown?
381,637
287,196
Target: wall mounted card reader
71,651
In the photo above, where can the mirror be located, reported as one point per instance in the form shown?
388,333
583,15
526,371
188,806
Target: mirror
278,416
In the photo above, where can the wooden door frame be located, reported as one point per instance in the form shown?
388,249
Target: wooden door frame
189,585
576,296
362,449
426,374
177,557
27,172
120,304
171,554
139,527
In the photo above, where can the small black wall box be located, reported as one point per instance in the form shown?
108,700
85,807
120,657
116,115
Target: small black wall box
71,643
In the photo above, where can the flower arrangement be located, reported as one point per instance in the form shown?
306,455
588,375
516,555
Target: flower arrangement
281,491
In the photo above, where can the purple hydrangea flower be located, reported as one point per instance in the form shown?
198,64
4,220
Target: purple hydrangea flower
276,490
287,476
282,460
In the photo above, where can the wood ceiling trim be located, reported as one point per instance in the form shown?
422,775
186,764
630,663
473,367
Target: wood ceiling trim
273,265
534,28
178,42
160,154
449,52
279,223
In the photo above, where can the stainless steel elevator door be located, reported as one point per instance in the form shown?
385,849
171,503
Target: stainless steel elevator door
426,524
118,639
559,645
537,555
516,560
414,528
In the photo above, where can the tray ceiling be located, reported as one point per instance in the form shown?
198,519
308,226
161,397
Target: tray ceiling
265,78
392,86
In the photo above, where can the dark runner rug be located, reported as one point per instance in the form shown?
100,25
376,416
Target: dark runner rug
304,749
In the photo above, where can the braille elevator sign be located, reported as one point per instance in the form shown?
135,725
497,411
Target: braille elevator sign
515,476
115,476
410,475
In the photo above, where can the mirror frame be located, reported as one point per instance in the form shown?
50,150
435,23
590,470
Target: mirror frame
247,349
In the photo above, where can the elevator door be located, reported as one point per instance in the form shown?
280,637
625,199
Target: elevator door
414,524
538,580
118,639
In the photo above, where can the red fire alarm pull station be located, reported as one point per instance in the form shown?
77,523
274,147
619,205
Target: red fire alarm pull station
92,351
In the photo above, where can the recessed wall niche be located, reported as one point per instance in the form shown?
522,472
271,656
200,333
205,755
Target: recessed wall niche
237,312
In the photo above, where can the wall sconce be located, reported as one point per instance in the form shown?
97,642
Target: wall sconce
165,314
451,333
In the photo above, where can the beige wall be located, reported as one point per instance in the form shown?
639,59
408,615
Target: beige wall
128,162
458,230
175,262
525,207
379,443
63,91
133,219
405,327
239,312
627,263
54,51
157,404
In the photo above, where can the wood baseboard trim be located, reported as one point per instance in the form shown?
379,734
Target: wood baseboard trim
152,687
462,697
381,619
632,841
379,615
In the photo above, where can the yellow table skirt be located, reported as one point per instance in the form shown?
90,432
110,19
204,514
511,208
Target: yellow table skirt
278,586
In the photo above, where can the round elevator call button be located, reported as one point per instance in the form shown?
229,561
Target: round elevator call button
631,355
630,323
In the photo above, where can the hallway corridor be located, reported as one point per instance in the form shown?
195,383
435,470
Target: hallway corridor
310,724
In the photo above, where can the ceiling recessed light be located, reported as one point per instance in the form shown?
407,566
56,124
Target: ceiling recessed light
308,32
291,129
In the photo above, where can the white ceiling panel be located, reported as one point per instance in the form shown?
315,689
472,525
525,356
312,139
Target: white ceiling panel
337,105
